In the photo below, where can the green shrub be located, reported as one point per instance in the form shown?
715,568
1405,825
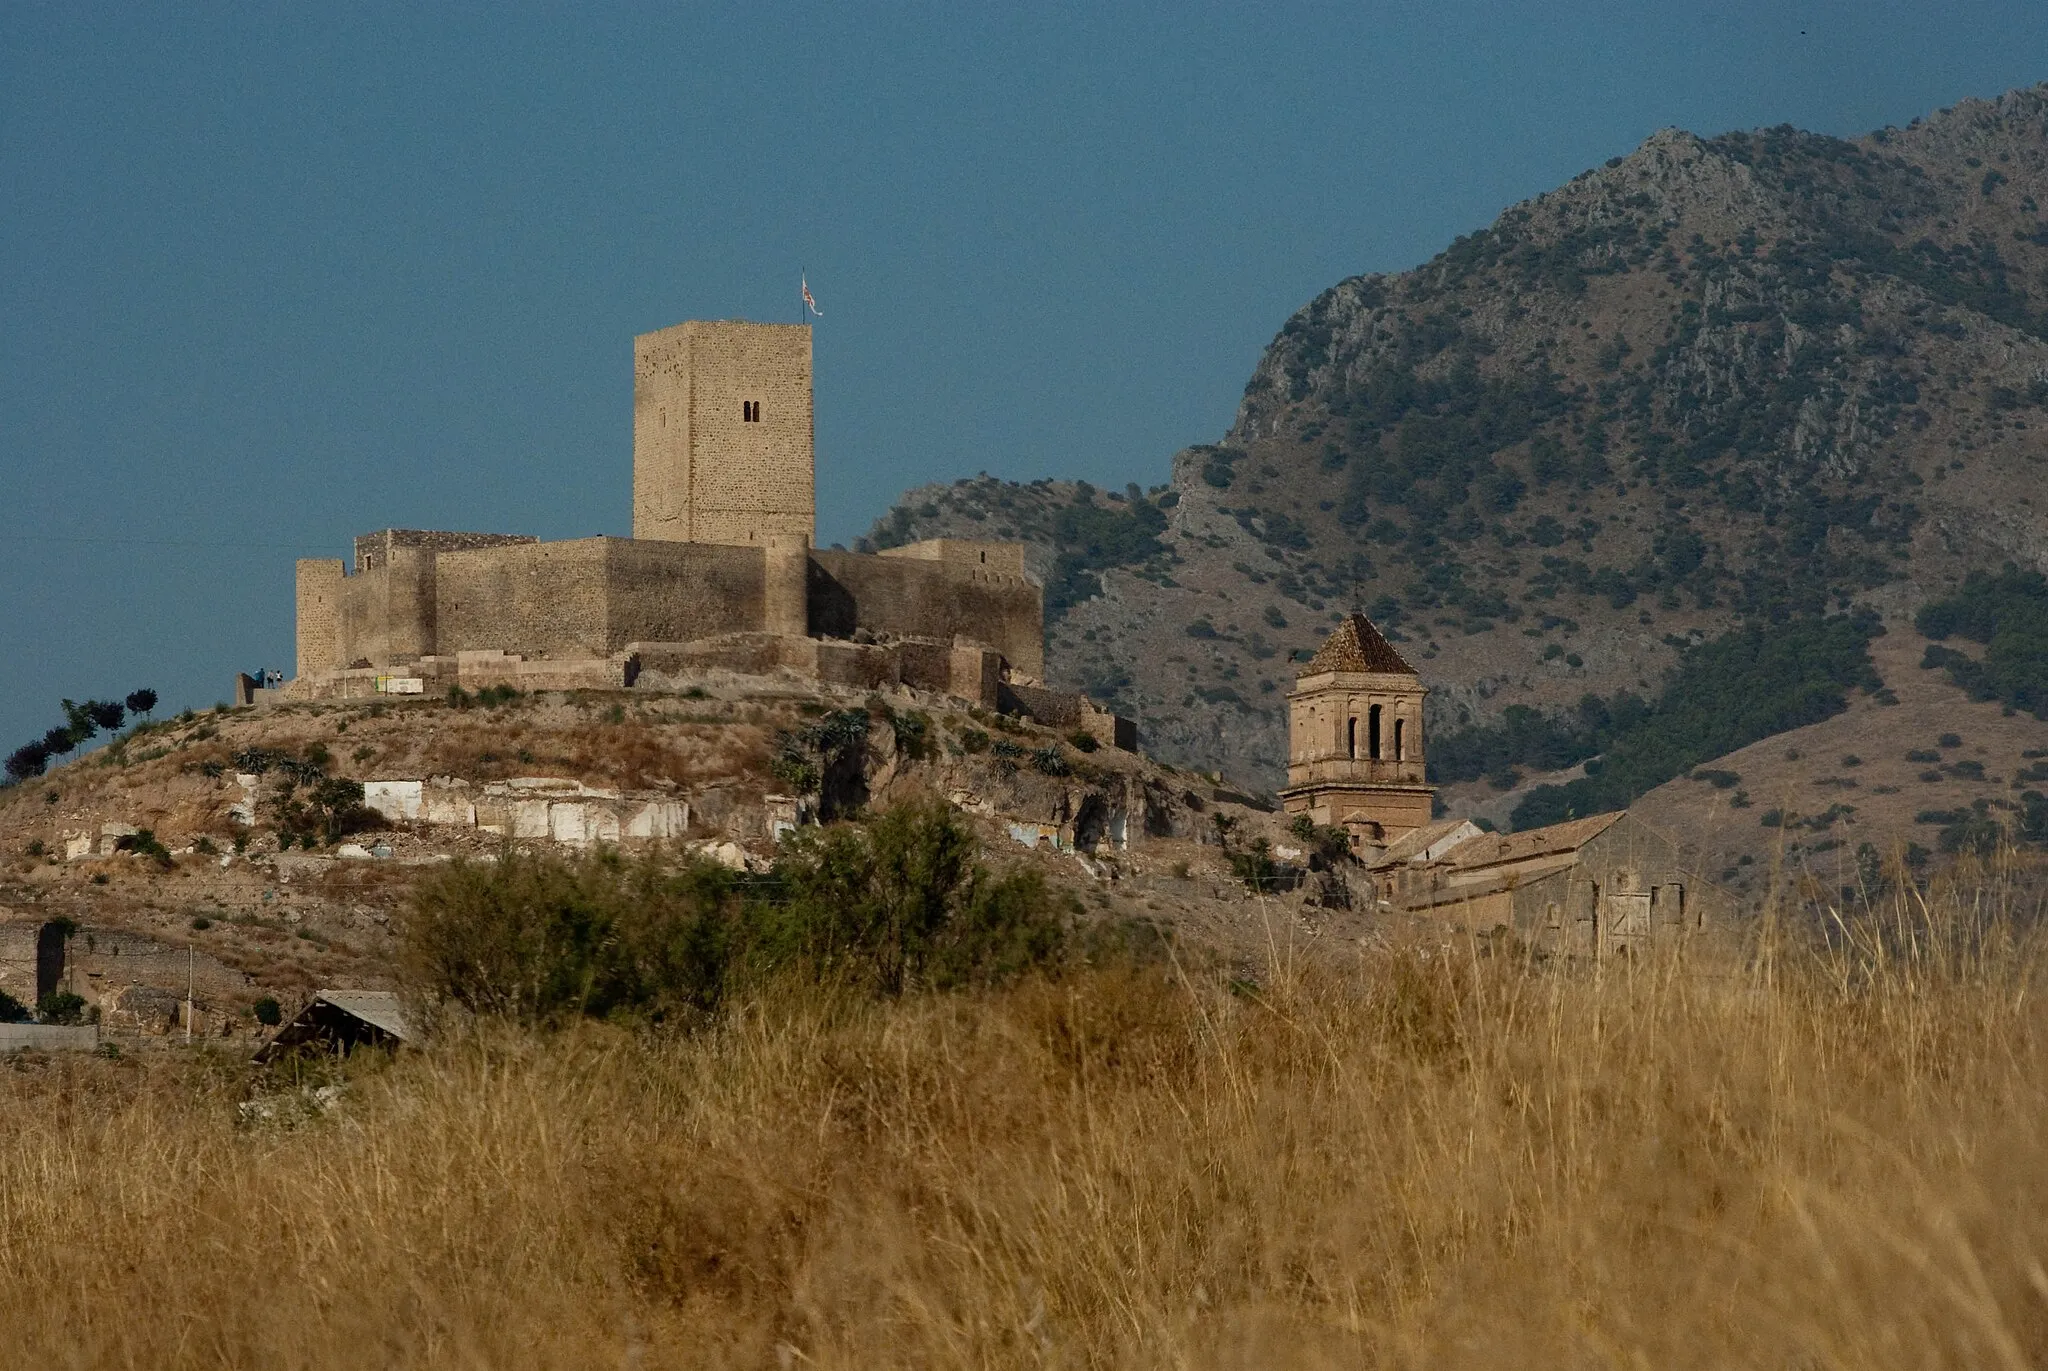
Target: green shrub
13,1010
899,903
61,1007
1050,761
903,903
145,844
268,1011
544,940
1256,868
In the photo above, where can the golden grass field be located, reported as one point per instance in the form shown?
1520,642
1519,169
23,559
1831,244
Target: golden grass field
1796,1158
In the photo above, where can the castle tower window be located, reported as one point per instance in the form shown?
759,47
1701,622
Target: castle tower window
1372,732
750,411
1400,740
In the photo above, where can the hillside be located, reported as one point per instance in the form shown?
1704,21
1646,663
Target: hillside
1719,381
228,846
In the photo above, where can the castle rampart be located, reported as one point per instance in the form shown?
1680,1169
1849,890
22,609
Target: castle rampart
720,570
912,597
722,433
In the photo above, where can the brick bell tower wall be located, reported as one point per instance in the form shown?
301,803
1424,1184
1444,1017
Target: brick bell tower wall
722,434
915,598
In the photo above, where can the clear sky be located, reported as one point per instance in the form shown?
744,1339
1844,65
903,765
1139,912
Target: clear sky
274,275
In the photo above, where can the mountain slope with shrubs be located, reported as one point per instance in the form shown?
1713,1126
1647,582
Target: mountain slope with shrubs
1728,385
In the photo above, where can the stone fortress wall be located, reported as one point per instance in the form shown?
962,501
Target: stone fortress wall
722,434
720,571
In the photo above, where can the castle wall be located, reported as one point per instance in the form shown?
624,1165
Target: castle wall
661,435
751,480
673,592
723,446
375,549
910,597
319,587
1002,559
388,613
537,599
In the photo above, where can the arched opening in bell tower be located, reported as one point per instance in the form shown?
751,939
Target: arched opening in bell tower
1372,732
1400,740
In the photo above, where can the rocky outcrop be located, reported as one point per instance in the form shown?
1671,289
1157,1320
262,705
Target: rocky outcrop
1715,379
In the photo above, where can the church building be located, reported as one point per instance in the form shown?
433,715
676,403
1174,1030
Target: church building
1354,734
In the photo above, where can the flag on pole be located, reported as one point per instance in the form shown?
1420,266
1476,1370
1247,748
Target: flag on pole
809,303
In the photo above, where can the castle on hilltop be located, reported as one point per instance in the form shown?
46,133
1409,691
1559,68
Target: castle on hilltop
721,571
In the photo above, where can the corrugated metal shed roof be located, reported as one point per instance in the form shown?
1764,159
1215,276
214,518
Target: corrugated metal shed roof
379,1007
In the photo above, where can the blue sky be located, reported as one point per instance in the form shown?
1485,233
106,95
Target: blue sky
272,276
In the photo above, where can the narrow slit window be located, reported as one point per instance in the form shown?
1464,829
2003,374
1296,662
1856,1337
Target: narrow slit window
1400,740
1351,737
1372,731
750,411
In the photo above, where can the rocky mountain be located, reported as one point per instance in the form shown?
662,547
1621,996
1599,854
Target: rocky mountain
1719,382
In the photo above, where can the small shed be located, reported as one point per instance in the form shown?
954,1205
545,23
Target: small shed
342,1021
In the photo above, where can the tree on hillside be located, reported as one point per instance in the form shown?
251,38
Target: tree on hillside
141,701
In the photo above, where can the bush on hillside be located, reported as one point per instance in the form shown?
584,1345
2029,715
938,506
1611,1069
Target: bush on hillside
2007,614
544,940
899,903
1743,686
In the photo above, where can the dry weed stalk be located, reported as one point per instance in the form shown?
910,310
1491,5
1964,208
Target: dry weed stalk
1820,1157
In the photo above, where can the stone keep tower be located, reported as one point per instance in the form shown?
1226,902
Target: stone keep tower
722,442
1354,738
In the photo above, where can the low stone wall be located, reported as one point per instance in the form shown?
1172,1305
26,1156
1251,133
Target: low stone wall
48,1037
471,671
1065,709
968,671
536,808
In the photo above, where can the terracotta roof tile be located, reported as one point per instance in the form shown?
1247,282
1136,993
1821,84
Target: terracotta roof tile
1569,836
1355,645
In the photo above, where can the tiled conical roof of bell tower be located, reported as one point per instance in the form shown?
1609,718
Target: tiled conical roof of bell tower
1355,645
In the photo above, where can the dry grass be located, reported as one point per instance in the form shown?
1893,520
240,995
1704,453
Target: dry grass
1817,1160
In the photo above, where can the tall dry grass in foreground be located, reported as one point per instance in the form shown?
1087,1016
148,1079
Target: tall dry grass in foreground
1835,1159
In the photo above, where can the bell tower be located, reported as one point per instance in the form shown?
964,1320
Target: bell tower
1354,738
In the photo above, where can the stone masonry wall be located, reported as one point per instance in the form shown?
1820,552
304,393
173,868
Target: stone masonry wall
672,592
661,435
722,433
388,613
909,597
319,589
375,549
542,598
1003,559
751,480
